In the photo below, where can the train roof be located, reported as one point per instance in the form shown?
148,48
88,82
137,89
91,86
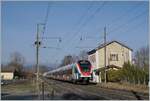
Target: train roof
60,69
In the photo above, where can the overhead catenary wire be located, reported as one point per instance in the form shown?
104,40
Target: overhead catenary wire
125,14
87,21
134,27
84,14
91,17
84,23
47,13
129,21
46,17
84,26
43,28
43,37
45,20
51,47
80,19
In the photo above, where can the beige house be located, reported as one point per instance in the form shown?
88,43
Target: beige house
7,75
116,54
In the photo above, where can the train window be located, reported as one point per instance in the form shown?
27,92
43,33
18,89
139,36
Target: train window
85,67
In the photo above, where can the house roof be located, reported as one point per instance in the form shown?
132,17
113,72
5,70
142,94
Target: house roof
103,45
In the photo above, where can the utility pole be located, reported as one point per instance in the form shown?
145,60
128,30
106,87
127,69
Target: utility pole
105,54
37,43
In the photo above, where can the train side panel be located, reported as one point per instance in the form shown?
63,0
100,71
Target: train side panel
77,72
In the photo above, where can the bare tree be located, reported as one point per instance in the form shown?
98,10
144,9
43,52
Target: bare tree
16,63
142,57
142,61
67,60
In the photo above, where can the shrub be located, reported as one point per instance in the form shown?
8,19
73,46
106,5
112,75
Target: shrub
114,75
129,73
134,74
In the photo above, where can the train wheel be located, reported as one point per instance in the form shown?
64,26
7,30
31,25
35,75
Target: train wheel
74,81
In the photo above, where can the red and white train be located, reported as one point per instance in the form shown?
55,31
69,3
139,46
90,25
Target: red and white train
81,71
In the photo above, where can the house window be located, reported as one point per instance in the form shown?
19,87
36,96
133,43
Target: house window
113,57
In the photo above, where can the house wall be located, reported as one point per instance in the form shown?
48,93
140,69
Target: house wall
7,75
97,58
124,55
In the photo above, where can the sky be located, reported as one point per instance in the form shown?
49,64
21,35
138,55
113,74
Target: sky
125,21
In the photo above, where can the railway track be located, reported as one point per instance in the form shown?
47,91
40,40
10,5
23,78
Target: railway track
93,92
69,90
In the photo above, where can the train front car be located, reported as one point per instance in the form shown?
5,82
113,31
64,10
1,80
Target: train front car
84,71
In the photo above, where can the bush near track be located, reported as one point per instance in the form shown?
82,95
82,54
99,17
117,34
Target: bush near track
129,73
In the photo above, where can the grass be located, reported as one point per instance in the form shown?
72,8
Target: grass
15,88
28,86
126,86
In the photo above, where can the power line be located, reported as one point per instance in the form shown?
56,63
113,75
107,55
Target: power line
90,17
47,13
113,20
51,47
87,20
84,14
58,38
79,22
44,29
125,14
120,17
89,38
46,19
133,8
133,28
81,19
84,24
129,21
84,47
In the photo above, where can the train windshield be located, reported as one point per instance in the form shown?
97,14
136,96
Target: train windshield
85,66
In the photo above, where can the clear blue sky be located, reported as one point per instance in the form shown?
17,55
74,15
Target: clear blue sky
126,22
